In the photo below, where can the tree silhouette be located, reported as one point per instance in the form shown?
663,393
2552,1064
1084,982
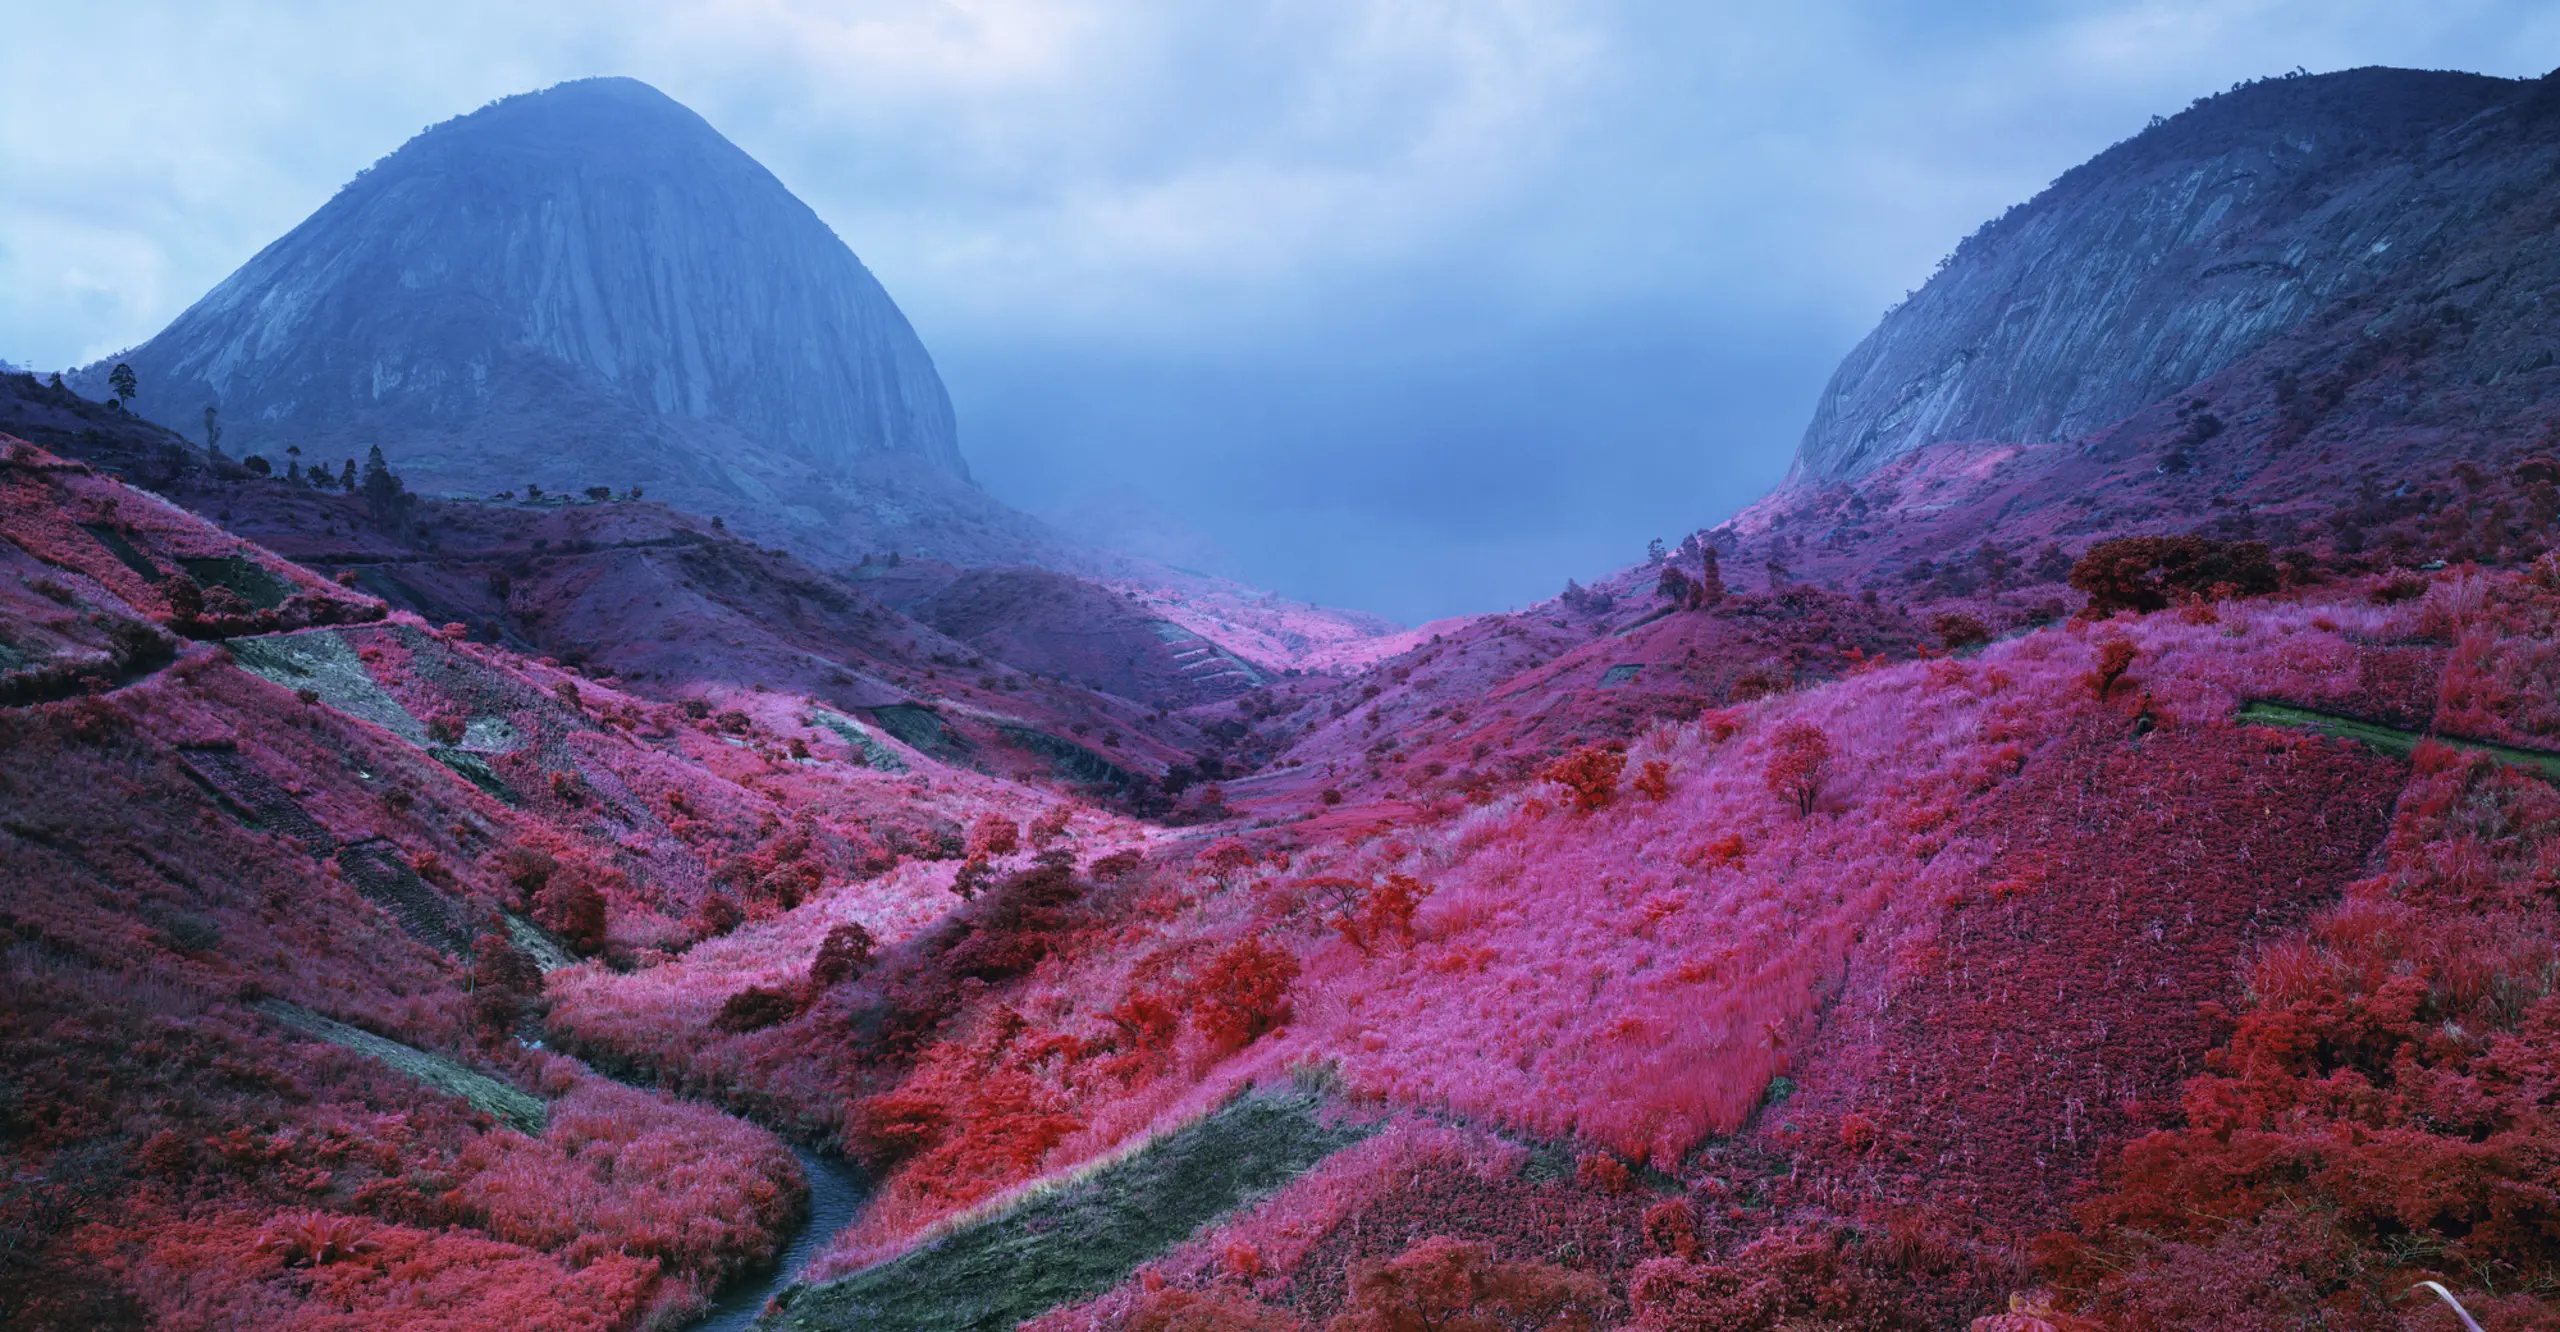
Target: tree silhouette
120,381
382,489
213,432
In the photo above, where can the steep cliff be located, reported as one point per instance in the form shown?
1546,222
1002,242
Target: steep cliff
589,286
2176,254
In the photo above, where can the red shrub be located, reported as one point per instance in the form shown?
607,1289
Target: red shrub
1671,1226
2144,573
1208,1311
1604,1172
571,907
1590,774
1243,992
317,1239
716,915
1050,825
1227,858
993,836
756,1007
1653,781
1957,630
1448,1285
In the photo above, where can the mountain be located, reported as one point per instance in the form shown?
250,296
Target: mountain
2309,312
2178,253
589,286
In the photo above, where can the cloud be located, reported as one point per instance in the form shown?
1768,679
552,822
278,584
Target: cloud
1474,294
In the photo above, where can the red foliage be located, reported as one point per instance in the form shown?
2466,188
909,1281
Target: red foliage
1050,825
2115,656
1365,914
1790,1276
1227,858
1958,630
1589,774
1208,1311
965,1124
844,953
1671,1226
317,1239
2042,1022
1450,1285
1604,1172
757,1007
1653,780
1243,992
571,907
2146,573
716,915
1799,759
993,837
2380,1115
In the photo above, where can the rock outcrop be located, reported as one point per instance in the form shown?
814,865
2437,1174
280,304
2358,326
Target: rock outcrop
2178,253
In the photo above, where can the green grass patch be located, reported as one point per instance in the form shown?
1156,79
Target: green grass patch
1068,761
512,1106
474,769
922,729
854,733
123,550
255,583
2391,739
1081,1237
323,662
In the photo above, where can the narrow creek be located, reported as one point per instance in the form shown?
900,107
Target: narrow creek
836,1195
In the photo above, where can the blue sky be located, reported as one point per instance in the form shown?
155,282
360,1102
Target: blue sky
1419,306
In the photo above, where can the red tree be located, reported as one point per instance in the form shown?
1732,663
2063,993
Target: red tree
846,950
1798,760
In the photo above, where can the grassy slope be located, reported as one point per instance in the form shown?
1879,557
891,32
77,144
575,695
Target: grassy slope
1081,1237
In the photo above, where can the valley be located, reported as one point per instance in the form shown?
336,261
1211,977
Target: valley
2053,864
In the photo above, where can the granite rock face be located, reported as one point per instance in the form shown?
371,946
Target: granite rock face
588,286
2184,250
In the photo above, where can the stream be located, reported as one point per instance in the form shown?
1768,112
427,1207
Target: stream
836,1194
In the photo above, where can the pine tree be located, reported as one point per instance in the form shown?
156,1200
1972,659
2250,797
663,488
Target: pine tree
382,489
120,381
213,432
347,477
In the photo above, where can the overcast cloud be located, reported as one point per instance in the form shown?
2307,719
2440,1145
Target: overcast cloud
1420,306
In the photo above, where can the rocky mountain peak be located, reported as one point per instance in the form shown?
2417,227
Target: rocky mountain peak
584,285
2182,250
